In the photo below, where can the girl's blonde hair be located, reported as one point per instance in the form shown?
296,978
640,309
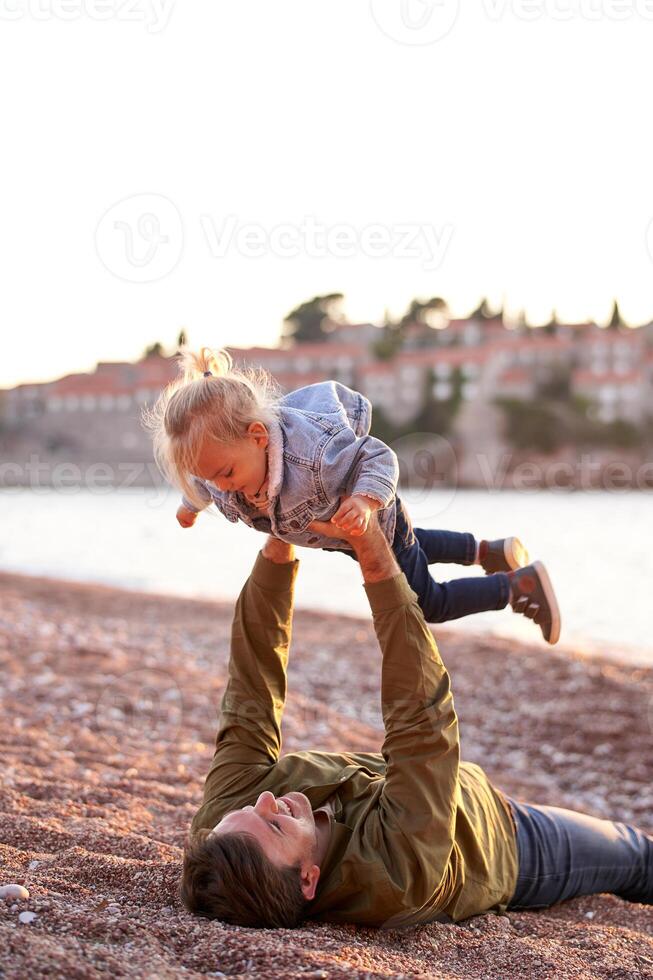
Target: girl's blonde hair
210,398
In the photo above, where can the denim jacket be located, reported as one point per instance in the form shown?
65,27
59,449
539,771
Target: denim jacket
319,451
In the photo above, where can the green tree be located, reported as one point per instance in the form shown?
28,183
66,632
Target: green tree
437,415
390,342
421,311
616,320
555,386
483,311
532,425
306,323
155,350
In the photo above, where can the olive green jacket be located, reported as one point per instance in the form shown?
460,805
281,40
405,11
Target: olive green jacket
416,834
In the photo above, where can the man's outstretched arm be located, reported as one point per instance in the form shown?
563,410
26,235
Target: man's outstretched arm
414,833
249,732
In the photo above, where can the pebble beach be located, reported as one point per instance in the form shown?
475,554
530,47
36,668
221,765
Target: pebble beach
109,702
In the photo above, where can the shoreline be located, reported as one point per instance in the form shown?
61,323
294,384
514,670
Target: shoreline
628,656
109,699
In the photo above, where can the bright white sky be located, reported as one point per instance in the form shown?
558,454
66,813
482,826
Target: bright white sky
517,149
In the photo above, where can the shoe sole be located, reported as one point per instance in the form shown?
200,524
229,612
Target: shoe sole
515,554
547,588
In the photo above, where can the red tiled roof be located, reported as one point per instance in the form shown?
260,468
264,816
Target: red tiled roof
590,379
317,350
444,355
376,368
630,336
536,343
515,375
579,326
88,384
460,324
293,379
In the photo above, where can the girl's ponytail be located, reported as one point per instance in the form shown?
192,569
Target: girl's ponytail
205,363
211,399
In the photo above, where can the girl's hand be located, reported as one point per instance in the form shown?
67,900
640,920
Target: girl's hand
186,517
354,514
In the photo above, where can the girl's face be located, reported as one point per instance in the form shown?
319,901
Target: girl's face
236,467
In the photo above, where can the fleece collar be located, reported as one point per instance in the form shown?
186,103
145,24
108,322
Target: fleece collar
275,459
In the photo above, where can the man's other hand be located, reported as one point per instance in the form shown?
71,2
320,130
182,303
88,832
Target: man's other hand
373,552
330,530
353,514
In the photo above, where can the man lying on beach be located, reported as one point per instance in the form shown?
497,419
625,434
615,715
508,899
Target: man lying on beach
402,837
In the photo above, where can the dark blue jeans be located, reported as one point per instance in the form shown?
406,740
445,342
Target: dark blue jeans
563,853
416,549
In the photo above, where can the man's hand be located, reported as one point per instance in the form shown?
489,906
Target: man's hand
353,515
186,517
373,552
355,539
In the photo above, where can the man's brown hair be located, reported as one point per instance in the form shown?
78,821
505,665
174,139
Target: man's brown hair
229,877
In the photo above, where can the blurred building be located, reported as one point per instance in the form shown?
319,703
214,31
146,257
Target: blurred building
97,416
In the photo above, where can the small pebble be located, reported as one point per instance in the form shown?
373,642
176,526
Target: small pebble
113,909
33,864
26,917
13,891
589,915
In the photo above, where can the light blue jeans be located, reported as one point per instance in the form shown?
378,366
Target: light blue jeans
563,853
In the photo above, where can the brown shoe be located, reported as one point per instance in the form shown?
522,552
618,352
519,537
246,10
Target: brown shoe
504,555
532,595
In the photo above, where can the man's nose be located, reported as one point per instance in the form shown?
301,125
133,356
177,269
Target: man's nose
266,803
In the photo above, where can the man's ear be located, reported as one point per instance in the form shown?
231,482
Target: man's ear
259,434
309,879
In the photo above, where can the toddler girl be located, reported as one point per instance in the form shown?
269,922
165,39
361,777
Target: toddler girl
279,462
